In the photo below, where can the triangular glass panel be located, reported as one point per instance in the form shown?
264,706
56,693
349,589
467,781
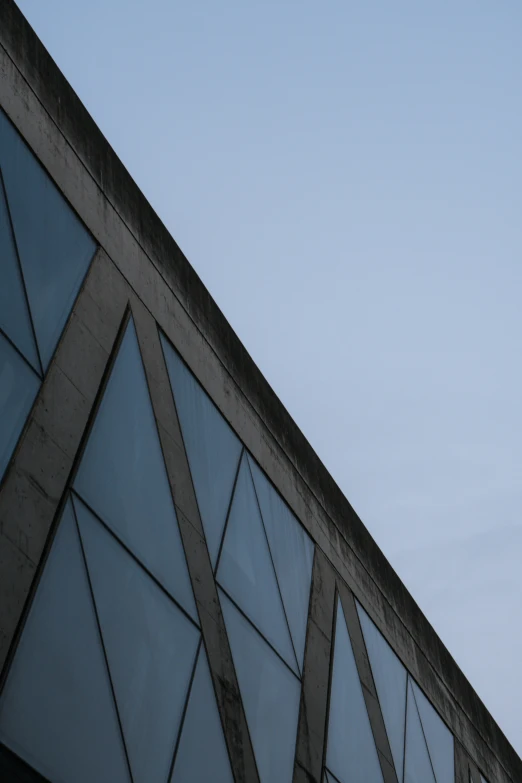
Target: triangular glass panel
55,249
57,710
19,386
351,753
122,476
390,679
14,313
151,648
438,738
245,568
270,694
213,450
202,754
417,764
293,554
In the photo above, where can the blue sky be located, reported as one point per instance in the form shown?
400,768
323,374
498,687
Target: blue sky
346,178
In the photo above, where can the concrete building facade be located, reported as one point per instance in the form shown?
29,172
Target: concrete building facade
185,594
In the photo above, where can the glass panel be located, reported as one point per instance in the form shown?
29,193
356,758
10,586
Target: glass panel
212,448
293,553
151,648
14,313
246,571
417,765
57,710
55,249
351,752
122,475
18,388
270,695
438,737
202,754
390,681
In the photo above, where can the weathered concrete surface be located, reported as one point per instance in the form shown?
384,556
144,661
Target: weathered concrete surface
313,713
368,686
198,559
466,771
38,474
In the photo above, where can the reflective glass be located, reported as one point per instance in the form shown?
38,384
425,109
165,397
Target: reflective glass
270,694
57,710
202,754
122,475
14,313
293,554
18,388
417,764
390,681
151,648
55,248
438,737
351,752
212,448
246,571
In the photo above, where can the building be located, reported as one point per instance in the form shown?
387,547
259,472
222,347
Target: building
185,594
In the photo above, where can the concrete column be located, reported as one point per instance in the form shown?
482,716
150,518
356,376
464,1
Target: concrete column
313,714
211,619
466,770
33,487
368,685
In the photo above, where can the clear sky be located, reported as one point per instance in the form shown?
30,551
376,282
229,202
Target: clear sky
346,178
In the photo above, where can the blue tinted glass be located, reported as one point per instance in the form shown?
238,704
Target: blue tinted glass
417,765
438,737
212,448
246,571
390,680
56,710
122,475
14,313
55,249
151,648
351,752
202,754
18,388
293,554
270,694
